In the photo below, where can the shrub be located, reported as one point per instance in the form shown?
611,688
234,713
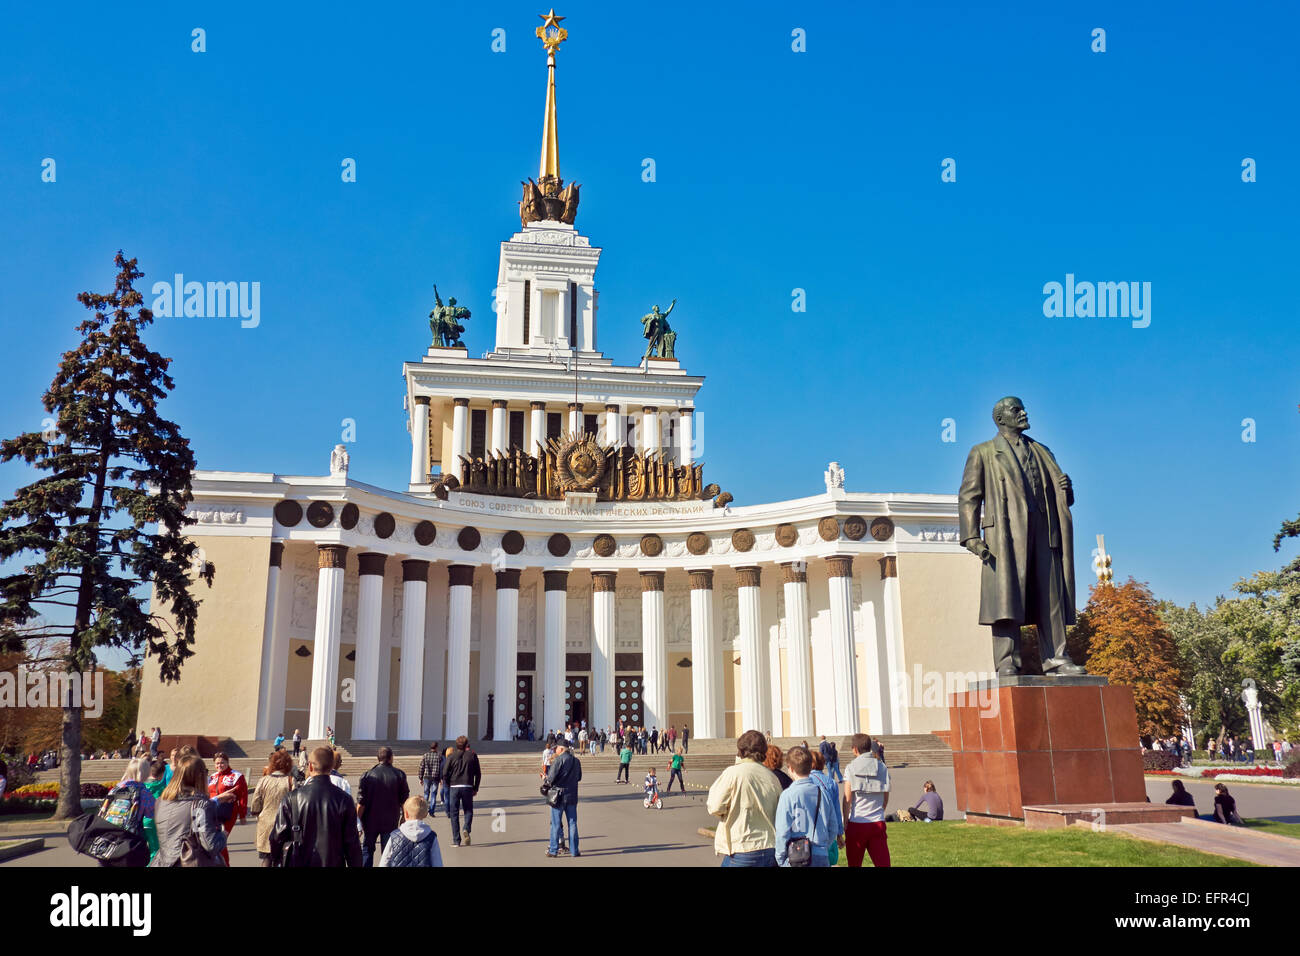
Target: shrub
1158,760
1291,769
93,791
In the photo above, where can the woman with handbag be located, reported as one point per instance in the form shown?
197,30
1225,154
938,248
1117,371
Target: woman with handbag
188,831
805,821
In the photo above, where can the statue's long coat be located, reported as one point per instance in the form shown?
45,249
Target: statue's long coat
993,479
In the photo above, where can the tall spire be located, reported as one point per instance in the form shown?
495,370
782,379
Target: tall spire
552,35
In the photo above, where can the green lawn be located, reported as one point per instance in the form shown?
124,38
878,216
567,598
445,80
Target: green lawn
967,844
1272,826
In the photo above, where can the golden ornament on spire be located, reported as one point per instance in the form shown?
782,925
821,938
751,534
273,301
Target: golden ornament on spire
552,35
548,199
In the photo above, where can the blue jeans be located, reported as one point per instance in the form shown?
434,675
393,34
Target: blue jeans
570,810
431,793
368,845
461,798
833,771
752,858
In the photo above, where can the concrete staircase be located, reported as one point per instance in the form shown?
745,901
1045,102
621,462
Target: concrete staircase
525,757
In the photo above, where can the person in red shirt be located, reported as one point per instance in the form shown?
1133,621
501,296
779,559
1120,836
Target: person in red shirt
229,788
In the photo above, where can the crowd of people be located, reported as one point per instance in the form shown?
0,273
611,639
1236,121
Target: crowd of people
1231,749
784,809
581,739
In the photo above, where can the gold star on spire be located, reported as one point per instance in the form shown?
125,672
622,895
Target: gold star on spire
550,32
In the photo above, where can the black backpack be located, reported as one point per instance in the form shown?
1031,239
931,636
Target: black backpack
113,835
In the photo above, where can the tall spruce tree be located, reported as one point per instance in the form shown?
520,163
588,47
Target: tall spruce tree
108,518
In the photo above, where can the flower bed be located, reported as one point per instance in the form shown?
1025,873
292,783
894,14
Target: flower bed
1269,774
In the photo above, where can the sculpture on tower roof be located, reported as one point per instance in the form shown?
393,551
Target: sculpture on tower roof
662,339
444,322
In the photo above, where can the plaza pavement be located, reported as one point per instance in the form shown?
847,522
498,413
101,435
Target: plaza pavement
615,830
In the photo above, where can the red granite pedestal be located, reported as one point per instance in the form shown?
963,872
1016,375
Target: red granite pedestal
1030,741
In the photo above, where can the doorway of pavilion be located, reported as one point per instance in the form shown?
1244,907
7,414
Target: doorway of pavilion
576,698
627,699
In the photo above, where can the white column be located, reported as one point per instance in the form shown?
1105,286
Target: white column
459,437
893,644
507,652
332,559
420,441
601,692
706,704
575,418
410,675
843,662
798,648
498,444
275,655
537,426
556,587
754,704
613,428
649,428
370,600
685,436
654,651
459,609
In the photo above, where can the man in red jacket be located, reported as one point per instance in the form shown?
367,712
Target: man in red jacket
230,789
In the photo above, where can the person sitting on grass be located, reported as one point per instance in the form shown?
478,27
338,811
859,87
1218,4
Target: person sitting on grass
929,808
1225,807
1181,797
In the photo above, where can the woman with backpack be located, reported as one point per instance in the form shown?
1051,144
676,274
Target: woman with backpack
189,833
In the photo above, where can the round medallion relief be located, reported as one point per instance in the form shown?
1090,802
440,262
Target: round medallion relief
288,513
320,514
604,545
385,525
697,542
742,539
829,529
512,542
349,516
468,539
558,545
425,533
855,527
652,545
786,535
882,529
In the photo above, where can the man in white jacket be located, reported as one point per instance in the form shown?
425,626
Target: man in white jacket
413,843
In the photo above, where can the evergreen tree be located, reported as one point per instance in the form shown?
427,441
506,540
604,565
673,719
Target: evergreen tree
108,518
1129,644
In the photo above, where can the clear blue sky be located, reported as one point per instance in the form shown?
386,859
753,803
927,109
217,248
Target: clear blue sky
776,170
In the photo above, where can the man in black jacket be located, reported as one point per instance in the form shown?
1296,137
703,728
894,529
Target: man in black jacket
383,791
565,772
462,775
317,823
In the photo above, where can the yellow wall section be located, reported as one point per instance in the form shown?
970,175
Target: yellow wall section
217,692
940,597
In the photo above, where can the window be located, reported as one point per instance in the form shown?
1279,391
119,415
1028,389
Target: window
591,424
528,306
516,430
477,432
554,424
573,315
